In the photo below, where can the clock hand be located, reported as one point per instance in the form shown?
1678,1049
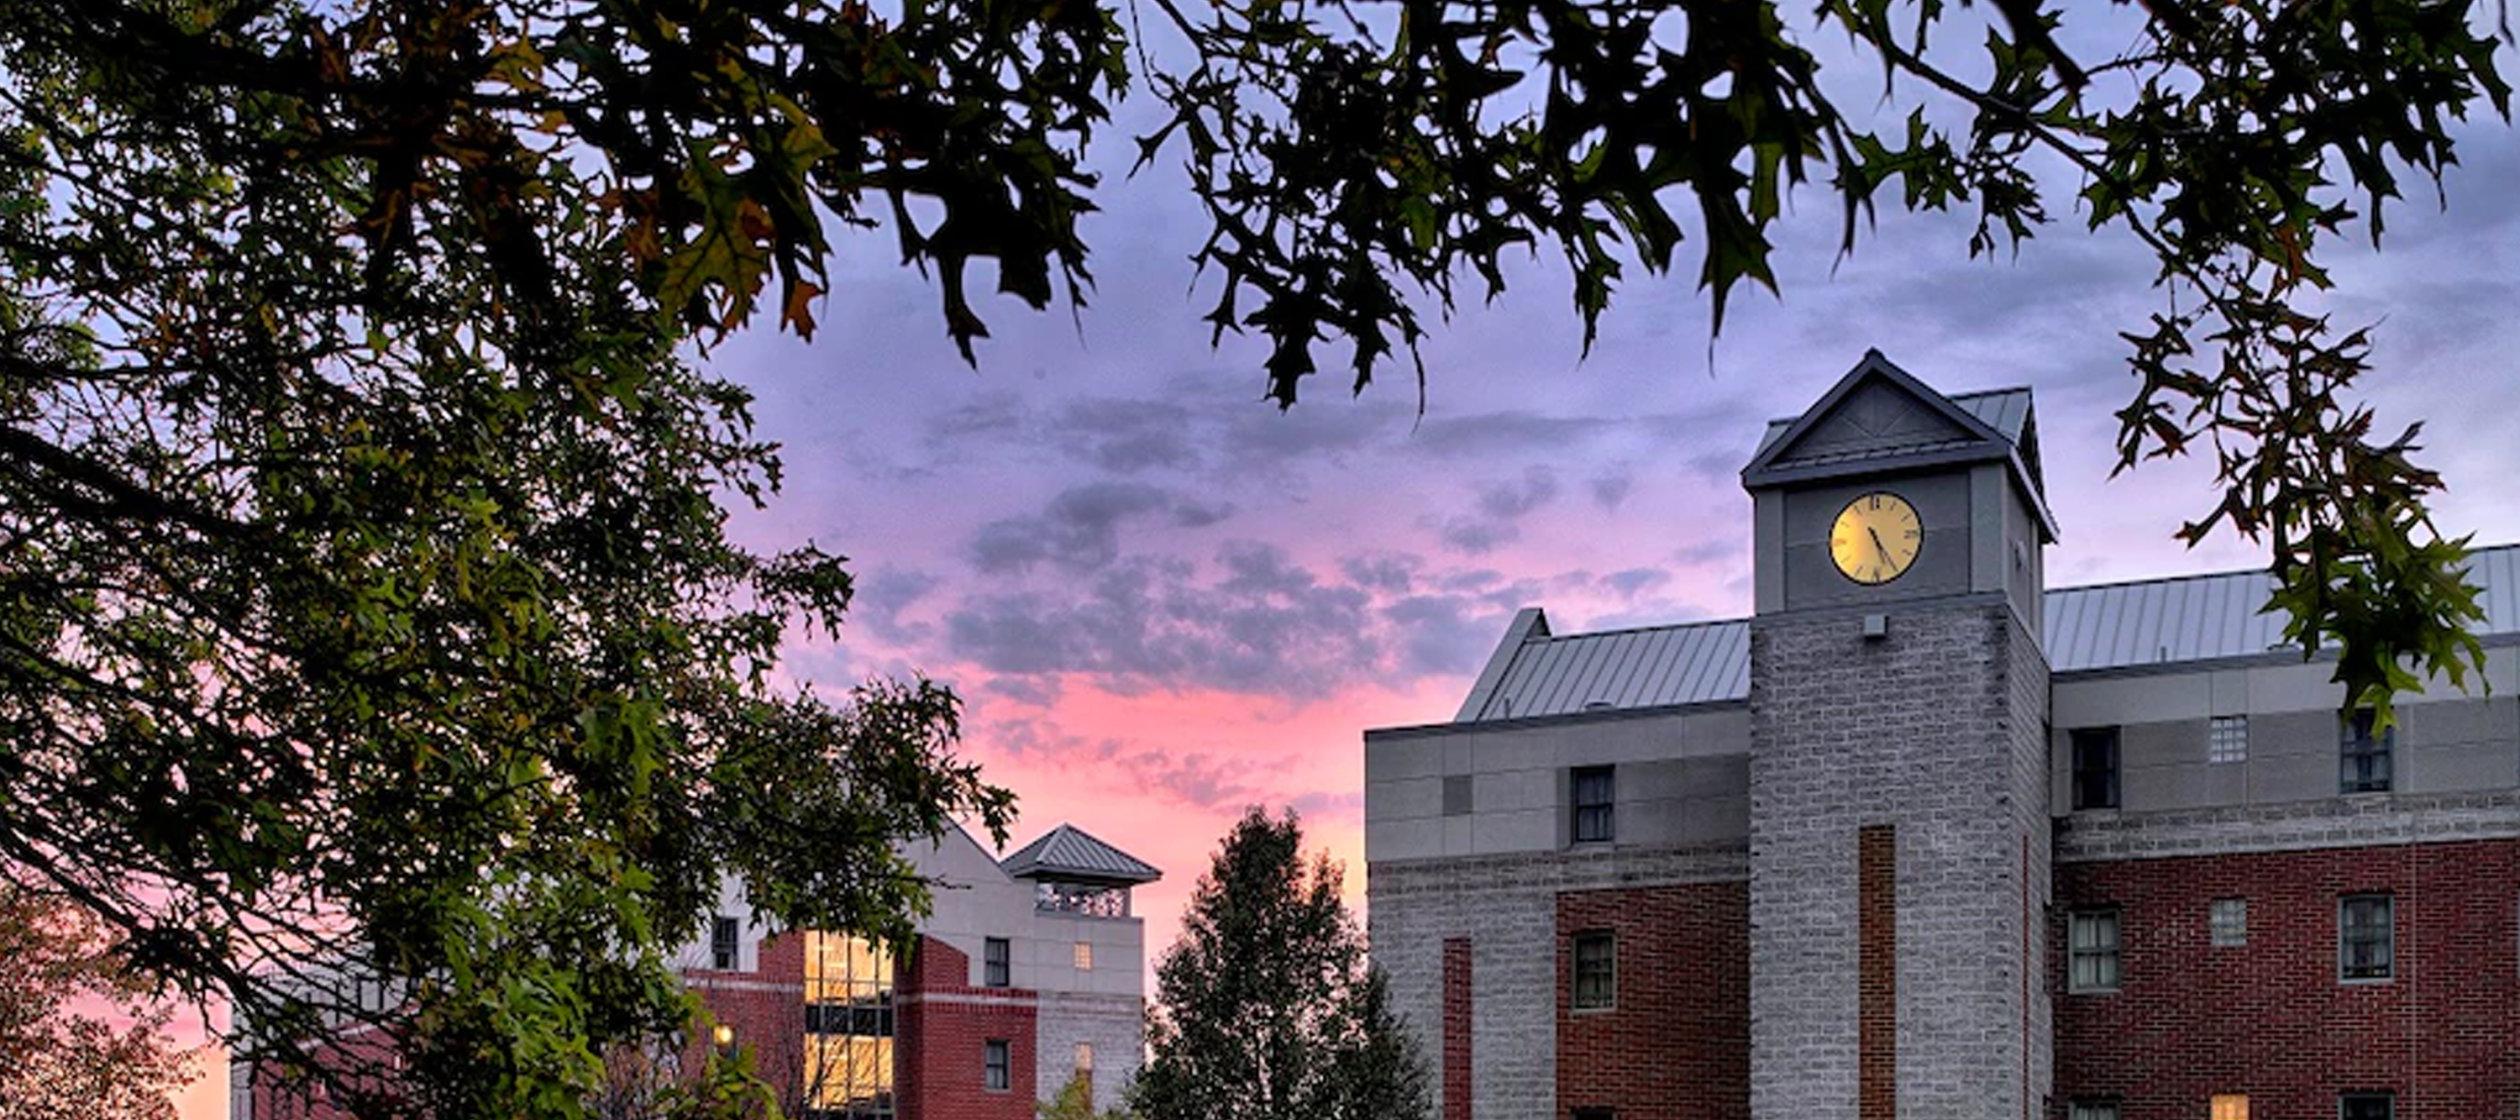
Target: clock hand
1879,547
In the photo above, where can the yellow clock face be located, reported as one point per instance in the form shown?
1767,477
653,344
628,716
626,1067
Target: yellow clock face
1876,538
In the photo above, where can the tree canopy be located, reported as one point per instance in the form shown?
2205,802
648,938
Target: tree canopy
79,1035
1266,1008
368,596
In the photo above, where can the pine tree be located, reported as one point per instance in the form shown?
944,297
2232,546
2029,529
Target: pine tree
1267,1007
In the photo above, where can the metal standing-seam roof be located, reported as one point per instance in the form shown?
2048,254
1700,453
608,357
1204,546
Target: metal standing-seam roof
2005,410
2107,626
1068,852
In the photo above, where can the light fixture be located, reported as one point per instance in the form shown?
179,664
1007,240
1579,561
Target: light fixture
725,1036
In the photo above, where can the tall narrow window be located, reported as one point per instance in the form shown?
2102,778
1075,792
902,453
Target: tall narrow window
1594,791
1596,980
2093,1110
2367,1106
2227,740
997,1066
2363,759
848,1043
1084,1057
724,942
2366,937
997,963
2092,952
2229,922
2230,1106
2095,767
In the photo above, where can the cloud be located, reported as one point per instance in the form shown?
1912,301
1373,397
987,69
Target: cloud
1611,487
1128,436
1497,511
1080,530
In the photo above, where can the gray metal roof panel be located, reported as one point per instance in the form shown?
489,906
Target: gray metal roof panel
2105,626
1069,852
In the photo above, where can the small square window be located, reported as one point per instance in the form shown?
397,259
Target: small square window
2093,1110
2230,922
997,968
2365,761
2367,1106
1084,956
1594,790
2095,767
2092,951
1596,985
2231,1106
725,943
2366,937
1457,801
2227,740
997,1066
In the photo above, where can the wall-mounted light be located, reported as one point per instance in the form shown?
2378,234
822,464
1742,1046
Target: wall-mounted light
725,1038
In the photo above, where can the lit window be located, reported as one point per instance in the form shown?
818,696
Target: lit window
996,967
2230,922
2231,1106
1084,1057
724,940
2093,949
2363,759
1594,793
2366,941
848,1044
2095,767
2367,1106
2093,1110
1596,972
1085,956
2228,740
850,1075
997,1066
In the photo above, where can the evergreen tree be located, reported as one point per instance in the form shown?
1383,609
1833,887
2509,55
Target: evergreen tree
1267,1008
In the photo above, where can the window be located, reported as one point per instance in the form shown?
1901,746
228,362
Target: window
1084,956
1084,1057
996,963
2366,939
2230,1106
997,1067
2362,758
848,1043
2092,961
2230,922
2367,1106
723,943
2095,767
1595,1114
2093,1110
1593,789
2227,739
1457,795
1596,985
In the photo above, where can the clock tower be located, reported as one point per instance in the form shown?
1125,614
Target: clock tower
1899,840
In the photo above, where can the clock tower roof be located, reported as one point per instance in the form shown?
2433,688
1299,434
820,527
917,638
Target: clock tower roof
1881,418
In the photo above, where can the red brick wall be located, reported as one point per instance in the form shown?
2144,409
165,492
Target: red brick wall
941,1033
1457,1054
1877,972
2270,1019
1677,1046
766,1006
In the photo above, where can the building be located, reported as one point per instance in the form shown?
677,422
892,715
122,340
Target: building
1923,838
1026,972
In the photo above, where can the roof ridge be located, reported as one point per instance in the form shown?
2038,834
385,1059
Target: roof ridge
2228,573
1617,630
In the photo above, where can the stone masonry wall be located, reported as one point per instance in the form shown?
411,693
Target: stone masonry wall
1507,907
1115,1026
1929,729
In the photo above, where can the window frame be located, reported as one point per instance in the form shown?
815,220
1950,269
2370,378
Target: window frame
1592,822
2223,749
1082,956
1607,997
2116,950
997,963
2214,1103
2214,926
2345,938
2356,744
2092,1109
997,1065
2082,796
726,943
2387,1099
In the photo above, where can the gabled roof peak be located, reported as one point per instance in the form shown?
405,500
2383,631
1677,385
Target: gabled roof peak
1070,854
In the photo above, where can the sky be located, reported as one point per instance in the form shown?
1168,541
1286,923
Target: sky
1165,601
